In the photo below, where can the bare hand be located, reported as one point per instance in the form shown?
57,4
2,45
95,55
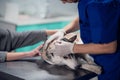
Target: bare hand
35,52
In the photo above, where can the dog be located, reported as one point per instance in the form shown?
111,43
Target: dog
73,61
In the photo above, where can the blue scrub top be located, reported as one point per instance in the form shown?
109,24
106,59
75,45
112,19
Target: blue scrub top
100,23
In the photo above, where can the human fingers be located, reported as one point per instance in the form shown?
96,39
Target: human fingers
38,53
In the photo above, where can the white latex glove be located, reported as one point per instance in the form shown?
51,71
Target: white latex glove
62,48
58,35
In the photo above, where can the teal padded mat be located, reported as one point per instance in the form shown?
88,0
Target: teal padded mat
50,26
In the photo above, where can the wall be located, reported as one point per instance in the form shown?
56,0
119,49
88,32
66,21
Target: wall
42,8
2,7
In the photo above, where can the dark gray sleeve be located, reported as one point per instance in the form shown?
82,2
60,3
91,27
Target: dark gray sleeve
27,38
3,55
12,40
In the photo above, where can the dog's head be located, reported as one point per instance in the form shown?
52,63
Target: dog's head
51,58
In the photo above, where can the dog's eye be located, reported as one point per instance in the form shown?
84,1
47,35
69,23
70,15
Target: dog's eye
52,54
65,57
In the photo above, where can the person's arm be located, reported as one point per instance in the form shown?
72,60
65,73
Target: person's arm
64,48
16,55
50,32
73,26
31,37
12,40
8,56
19,55
92,48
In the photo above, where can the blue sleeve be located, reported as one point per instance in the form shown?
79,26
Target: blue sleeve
103,21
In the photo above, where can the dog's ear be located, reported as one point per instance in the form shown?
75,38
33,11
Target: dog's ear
71,37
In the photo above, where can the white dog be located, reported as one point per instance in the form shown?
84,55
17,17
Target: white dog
73,61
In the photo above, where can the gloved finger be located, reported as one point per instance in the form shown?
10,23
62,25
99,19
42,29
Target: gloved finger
52,38
58,40
47,43
61,36
45,46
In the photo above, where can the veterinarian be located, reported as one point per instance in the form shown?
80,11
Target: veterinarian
12,40
99,24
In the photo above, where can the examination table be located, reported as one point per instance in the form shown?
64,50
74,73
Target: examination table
37,69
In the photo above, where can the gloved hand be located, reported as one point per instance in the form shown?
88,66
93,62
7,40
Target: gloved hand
62,48
58,35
